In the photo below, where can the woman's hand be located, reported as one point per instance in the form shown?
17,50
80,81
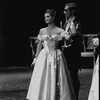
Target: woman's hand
66,35
34,61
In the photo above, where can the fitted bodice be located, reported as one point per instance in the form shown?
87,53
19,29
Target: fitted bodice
50,42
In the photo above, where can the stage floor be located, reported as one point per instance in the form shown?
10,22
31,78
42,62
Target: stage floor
14,83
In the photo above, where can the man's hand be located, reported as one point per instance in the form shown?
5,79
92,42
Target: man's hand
73,28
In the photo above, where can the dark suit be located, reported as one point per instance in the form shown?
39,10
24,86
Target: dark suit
73,58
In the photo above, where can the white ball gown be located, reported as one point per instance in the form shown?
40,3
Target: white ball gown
50,79
94,89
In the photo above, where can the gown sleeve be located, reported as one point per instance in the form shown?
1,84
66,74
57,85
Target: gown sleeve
40,35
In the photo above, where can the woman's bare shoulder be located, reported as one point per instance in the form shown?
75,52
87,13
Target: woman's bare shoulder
60,30
42,31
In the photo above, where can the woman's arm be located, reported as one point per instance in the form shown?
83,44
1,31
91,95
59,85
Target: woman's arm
65,35
39,48
39,45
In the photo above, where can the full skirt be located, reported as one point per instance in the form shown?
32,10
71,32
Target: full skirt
51,79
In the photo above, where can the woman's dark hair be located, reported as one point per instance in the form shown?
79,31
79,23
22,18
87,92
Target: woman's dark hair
51,12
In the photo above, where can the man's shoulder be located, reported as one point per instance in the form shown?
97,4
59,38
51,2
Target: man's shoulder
76,20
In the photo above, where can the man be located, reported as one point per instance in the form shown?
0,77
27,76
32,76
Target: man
72,49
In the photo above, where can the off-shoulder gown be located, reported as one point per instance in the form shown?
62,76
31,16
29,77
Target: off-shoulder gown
50,78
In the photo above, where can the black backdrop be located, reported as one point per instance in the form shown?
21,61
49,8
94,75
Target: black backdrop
21,19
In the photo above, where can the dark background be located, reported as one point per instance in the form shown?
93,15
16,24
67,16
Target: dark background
21,19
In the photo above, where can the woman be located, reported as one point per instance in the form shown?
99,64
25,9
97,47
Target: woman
50,79
94,90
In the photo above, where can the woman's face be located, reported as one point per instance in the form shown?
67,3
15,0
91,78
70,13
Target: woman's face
48,18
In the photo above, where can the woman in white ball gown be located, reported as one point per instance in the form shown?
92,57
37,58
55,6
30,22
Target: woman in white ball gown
94,89
50,78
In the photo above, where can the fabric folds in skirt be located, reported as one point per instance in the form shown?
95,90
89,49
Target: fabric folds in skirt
50,78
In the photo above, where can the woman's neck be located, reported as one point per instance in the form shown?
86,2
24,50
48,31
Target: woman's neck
52,25
50,29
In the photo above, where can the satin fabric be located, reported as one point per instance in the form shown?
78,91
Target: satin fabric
43,81
94,89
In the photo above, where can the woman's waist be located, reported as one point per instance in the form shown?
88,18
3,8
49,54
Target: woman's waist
50,49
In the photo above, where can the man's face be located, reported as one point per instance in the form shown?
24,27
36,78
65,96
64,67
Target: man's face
67,11
48,18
